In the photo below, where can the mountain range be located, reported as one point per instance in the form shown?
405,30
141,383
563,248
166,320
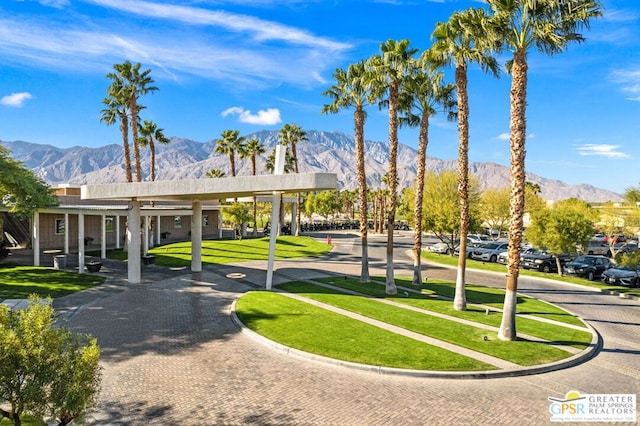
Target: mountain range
324,152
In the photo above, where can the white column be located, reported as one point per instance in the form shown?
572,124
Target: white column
133,242
103,237
145,236
66,233
278,169
118,232
294,215
80,243
158,230
35,238
220,223
196,237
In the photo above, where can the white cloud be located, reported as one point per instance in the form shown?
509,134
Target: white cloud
15,99
507,136
601,150
264,117
629,81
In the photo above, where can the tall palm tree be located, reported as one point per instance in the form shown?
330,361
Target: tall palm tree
460,41
389,71
521,25
351,90
133,84
424,93
229,144
150,133
291,135
252,150
116,108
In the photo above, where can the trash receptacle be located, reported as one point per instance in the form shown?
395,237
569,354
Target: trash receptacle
60,262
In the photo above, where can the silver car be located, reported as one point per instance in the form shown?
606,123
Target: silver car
488,251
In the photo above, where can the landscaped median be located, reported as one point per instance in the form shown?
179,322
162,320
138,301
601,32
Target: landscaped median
416,332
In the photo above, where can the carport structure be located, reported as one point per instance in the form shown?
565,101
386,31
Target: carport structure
195,191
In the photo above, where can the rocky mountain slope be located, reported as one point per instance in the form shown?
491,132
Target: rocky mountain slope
324,152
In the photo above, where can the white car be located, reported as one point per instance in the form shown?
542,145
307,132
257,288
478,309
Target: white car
488,251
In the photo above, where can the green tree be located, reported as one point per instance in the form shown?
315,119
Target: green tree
229,144
238,213
423,94
20,189
128,84
252,150
494,208
45,369
459,41
352,89
562,227
442,206
150,134
389,71
522,25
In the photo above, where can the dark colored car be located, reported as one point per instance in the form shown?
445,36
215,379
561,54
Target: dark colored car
588,266
622,275
543,261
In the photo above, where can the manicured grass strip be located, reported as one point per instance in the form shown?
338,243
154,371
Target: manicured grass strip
445,259
318,331
19,282
231,251
520,352
550,332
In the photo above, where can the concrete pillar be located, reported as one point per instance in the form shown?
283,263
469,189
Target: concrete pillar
196,237
117,232
35,238
278,169
103,238
145,236
66,233
133,242
294,222
80,243
158,229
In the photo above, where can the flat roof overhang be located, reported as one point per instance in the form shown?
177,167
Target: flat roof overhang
210,188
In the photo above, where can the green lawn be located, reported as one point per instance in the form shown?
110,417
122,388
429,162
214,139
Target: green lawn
18,282
522,352
445,259
231,251
318,331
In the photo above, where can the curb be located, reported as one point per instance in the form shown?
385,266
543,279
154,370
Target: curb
594,348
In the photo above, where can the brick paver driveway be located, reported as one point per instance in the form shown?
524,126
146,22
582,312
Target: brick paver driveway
171,355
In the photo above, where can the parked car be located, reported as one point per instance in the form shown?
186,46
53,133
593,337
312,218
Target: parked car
622,275
543,261
470,247
598,247
502,257
624,247
588,266
488,251
477,238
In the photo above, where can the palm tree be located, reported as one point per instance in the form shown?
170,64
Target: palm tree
252,150
150,133
424,93
128,79
520,25
351,90
289,166
389,71
117,109
459,41
215,173
229,145
291,135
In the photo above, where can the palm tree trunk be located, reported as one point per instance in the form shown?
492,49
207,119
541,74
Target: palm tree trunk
152,150
518,128
255,199
393,184
362,192
124,128
134,132
460,299
423,141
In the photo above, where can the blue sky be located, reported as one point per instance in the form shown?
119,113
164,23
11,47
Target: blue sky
258,64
